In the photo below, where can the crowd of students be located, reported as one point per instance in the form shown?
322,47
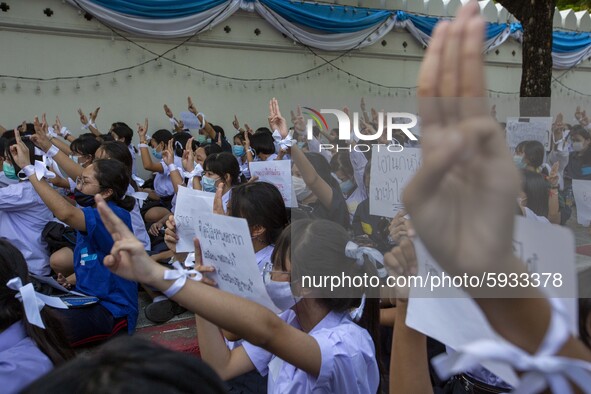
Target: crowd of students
76,209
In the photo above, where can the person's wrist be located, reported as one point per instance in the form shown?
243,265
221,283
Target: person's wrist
154,275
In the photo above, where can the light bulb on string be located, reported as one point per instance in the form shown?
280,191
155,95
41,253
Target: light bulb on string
18,86
97,84
38,89
3,86
203,77
129,74
217,82
230,84
57,89
284,85
142,69
114,80
77,86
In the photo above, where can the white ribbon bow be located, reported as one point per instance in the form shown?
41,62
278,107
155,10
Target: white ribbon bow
140,197
42,172
140,182
284,143
51,132
179,274
354,251
197,171
32,301
542,370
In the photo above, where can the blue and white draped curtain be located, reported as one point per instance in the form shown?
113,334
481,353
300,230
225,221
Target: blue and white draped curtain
322,26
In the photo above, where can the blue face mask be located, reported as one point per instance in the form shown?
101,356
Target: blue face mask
301,144
347,187
9,171
208,184
202,139
156,154
519,161
238,150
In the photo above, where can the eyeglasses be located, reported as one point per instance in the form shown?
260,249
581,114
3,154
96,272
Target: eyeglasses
81,182
268,270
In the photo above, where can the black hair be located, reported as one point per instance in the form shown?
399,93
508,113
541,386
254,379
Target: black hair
219,129
520,146
210,149
105,138
536,188
240,136
29,144
584,313
262,142
316,247
50,341
341,161
117,150
162,135
580,131
261,204
322,168
130,365
222,164
122,131
263,130
180,141
113,174
85,146
533,153
87,135
3,142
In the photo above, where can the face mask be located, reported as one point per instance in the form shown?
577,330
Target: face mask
238,150
300,189
347,186
301,144
156,154
201,139
519,161
280,293
208,184
578,146
9,171
82,199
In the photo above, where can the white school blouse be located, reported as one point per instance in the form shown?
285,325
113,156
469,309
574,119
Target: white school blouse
162,182
23,216
348,360
137,223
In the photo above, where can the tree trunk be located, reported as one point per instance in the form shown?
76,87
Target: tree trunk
536,17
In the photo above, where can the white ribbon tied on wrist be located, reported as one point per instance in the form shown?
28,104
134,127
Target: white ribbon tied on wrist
197,171
32,301
284,143
38,169
541,370
179,274
51,132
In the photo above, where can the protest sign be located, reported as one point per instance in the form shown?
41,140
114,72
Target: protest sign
189,203
190,120
529,129
582,195
278,173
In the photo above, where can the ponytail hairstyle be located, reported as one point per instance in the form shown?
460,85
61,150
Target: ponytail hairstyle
112,174
316,248
50,341
180,140
261,204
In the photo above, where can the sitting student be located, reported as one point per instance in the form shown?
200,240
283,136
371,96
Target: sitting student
315,346
342,169
262,146
23,214
239,152
27,351
123,133
4,180
219,168
163,189
141,367
579,161
534,197
118,298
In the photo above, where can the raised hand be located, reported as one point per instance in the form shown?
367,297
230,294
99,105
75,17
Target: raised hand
19,151
553,177
218,203
188,159
462,199
168,153
191,106
170,236
578,113
40,137
142,130
83,118
93,115
128,259
401,261
400,227
199,267
168,112
362,105
235,123
276,121
300,122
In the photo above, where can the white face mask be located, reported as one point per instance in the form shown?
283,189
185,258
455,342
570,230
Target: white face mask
280,293
300,189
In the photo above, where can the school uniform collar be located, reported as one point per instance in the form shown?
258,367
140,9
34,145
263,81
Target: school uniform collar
332,319
12,335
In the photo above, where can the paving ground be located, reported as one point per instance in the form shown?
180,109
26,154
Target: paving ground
180,334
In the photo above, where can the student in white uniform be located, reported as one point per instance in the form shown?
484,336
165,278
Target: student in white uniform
219,168
262,146
239,152
123,133
4,180
314,346
163,188
23,215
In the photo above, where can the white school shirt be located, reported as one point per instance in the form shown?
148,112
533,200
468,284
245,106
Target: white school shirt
359,162
531,215
348,360
23,216
244,168
162,183
5,181
137,223
225,199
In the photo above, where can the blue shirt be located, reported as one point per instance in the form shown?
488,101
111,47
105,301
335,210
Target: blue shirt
118,295
21,361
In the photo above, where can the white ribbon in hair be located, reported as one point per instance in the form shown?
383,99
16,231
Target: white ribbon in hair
32,301
284,143
542,370
354,251
197,171
179,274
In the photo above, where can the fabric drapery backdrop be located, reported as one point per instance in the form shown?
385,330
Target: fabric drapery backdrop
322,26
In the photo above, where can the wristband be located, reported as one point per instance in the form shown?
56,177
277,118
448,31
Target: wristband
173,121
172,167
64,132
143,145
179,275
52,151
201,124
26,172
